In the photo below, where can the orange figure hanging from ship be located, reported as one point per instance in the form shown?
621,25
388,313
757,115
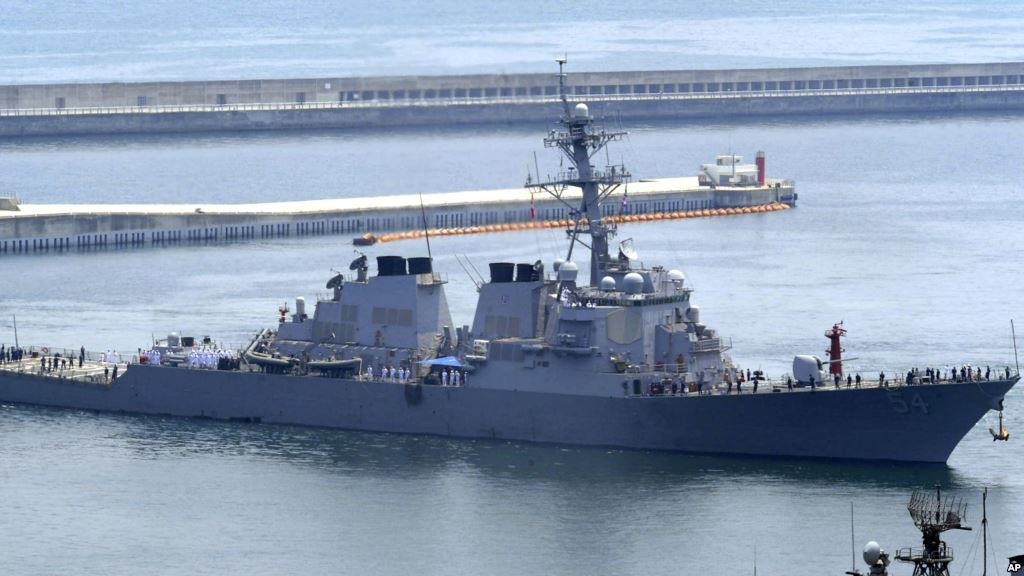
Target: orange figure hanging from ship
835,351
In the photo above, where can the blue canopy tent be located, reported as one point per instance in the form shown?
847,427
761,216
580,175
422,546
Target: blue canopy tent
450,361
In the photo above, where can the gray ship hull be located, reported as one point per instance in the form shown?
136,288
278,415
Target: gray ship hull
913,423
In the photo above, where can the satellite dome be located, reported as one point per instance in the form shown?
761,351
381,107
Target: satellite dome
557,264
567,271
872,552
581,110
633,283
608,284
676,276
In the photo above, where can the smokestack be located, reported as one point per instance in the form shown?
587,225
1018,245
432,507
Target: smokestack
760,167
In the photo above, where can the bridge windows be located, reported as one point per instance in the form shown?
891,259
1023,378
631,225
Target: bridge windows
983,80
300,97
490,92
639,89
550,90
398,95
800,85
536,91
970,80
580,90
653,88
594,90
871,83
475,92
610,89
928,82
899,82
1012,79
785,85
668,88
140,100
913,82
414,94
521,91
742,86
956,81
814,84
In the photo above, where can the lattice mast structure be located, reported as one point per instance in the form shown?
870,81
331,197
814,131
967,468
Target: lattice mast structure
933,515
579,140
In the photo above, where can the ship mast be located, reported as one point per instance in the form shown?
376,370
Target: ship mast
579,141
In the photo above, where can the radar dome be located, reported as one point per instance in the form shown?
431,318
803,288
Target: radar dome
567,271
676,276
557,264
872,552
608,284
633,283
581,110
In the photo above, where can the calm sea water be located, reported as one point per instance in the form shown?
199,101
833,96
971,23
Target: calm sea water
907,229
46,41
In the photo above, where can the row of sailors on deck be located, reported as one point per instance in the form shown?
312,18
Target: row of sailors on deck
207,358
390,374
11,354
110,357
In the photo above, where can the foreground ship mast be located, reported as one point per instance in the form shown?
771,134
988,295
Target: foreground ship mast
580,141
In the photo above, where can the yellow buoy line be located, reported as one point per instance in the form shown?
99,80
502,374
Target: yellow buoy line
370,238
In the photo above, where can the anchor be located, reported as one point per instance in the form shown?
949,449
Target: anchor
1003,433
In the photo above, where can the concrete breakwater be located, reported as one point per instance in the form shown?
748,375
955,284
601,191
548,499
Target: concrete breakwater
27,110
41,228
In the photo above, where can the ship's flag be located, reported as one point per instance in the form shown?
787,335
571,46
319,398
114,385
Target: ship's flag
625,197
533,212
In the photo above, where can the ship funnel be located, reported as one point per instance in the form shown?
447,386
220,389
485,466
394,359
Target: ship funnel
760,168
501,272
525,273
390,266
420,265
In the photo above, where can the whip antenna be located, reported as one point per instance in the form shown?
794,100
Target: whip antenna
1013,332
426,233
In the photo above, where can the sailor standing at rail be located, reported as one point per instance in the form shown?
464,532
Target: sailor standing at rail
369,373
455,377
444,377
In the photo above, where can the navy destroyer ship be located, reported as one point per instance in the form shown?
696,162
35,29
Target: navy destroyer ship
619,359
